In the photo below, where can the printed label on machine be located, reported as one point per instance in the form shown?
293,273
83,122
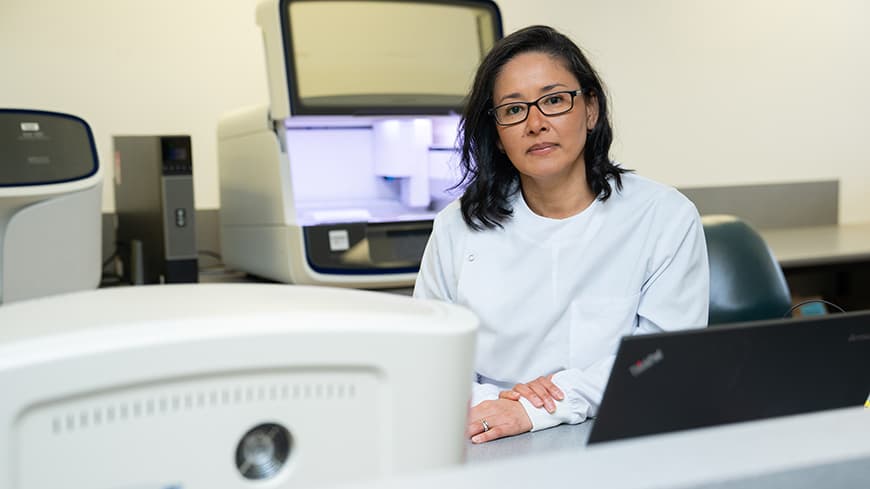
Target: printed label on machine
339,240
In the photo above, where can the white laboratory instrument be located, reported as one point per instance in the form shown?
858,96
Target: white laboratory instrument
50,205
336,181
229,386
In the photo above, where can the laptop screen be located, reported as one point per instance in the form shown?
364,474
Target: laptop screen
690,379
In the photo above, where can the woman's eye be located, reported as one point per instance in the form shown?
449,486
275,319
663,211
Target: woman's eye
513,110
554,100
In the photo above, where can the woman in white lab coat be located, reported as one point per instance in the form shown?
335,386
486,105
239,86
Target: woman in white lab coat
559,250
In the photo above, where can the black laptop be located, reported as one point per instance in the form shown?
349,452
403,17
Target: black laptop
724,374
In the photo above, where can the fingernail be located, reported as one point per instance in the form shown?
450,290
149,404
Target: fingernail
476,439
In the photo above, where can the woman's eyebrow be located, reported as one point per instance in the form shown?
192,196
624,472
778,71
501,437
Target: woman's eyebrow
551,87
510,95
543,90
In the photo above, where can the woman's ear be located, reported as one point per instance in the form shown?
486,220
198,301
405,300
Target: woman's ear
499,145
591,111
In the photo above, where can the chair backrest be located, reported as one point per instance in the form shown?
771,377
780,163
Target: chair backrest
746,281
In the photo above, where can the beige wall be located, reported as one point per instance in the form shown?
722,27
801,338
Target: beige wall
718,92
710,92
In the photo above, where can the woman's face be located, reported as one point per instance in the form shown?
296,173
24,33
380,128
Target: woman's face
545,149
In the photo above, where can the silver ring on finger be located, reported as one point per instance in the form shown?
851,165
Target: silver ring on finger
485,425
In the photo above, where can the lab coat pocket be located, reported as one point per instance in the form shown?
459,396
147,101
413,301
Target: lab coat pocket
597,324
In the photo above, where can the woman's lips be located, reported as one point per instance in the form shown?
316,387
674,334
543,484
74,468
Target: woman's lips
541,149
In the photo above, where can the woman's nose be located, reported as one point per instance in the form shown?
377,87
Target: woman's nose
536,121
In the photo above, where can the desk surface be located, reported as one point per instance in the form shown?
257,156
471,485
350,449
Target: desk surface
819,245
826,449
562,437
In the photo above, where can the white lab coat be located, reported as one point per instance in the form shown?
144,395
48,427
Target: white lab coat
556,295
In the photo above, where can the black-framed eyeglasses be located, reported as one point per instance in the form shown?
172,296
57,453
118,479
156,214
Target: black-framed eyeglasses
551,104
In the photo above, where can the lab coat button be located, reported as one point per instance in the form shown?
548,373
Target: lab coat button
471,257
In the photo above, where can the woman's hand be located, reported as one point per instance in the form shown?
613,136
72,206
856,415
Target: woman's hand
541,392
491,420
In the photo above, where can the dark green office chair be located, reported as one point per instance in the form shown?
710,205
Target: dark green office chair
746,281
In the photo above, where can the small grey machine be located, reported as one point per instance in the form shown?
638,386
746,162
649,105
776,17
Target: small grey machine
156,233
337,180
50,205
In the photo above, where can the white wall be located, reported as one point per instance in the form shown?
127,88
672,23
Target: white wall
704,92
135,67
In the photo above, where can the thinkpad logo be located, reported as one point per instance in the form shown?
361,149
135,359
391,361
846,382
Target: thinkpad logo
647,363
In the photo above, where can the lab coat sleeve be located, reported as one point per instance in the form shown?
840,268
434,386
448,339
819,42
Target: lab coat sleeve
483,392
675,296
583,390
677,293
437,278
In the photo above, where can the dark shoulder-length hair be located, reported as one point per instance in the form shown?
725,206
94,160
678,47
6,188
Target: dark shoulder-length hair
490,178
